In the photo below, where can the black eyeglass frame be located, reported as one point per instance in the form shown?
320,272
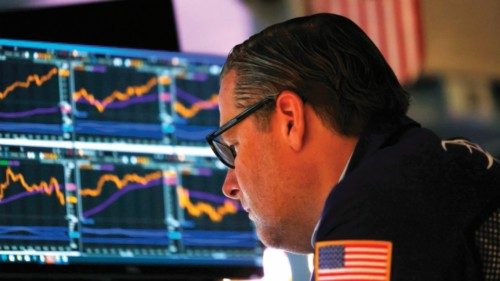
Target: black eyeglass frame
212,137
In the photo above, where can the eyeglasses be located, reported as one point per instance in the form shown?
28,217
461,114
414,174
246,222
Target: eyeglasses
224,152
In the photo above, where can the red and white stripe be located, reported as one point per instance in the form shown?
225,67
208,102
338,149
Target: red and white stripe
361,262
393,25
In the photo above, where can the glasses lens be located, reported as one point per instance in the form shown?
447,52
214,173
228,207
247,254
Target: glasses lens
224,152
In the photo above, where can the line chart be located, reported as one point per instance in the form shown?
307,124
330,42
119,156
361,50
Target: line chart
29,94
215,214
115,196
32,78
197,101
196,109
31,112
211,219
49,187
118,97
233,239
120,183
205,208
196,106
33,195
123,205
119,195
34,233
125,236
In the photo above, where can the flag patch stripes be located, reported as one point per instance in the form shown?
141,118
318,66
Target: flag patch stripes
353,260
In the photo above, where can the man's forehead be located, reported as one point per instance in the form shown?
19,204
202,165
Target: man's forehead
227,106
228,83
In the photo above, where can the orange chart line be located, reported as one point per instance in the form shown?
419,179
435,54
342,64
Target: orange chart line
200,208
38,80
47,188
120,183
196,107
129,92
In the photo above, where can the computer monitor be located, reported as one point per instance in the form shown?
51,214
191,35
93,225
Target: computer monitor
104,170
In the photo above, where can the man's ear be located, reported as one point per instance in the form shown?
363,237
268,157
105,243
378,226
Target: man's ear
291,118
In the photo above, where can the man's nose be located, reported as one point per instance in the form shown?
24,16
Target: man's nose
230,188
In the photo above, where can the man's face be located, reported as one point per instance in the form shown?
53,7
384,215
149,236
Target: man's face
264,179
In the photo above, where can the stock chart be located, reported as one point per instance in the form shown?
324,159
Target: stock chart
196,111
30,99
32,204
120,102
103,159
122,205
209,217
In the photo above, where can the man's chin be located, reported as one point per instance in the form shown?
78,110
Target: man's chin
272,238
266,236
276,238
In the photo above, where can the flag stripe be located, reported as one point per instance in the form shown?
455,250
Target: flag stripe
335,7
400,39
365,250
392,40
367,263
393,25
381,28
411,37
362,15
351,273
372,20
353,277
353,12
365,257
355,269
344,7
353,260
364,265
374,273
364,245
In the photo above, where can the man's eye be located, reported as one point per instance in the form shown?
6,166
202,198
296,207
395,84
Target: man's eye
234,148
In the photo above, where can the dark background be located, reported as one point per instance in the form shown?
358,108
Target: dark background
146,24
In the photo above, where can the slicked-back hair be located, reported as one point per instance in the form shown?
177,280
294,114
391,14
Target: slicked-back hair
329,62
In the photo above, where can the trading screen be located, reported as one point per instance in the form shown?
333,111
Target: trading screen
103,159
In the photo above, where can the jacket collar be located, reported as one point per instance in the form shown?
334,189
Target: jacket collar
374,137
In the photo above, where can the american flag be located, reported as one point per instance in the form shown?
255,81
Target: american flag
393,25
353,260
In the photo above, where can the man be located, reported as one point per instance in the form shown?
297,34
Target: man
324,159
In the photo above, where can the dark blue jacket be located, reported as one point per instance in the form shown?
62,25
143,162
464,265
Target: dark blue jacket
427,196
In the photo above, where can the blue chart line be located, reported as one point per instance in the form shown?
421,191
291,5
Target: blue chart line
19,196
47,233
211,197
142,130
192,132
40,128
194,101
242,239
184,95
111,199
32,112
121,104
128,236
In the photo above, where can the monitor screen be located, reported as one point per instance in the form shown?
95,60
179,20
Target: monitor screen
104,167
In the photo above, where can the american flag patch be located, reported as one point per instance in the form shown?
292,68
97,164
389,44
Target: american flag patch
350,260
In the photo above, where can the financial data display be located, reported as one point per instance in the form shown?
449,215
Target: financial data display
103,159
